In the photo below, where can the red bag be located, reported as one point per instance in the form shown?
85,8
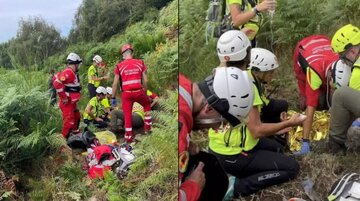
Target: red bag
100,159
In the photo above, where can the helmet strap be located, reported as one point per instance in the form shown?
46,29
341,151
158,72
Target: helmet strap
220,105
347,60
209,121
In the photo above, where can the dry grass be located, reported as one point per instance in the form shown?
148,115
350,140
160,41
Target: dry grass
319,166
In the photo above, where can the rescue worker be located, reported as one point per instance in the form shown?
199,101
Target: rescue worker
244,150
246,15
206,105
313,58
263,64
131,73
345,101
94,77
105,103
93,109
67,85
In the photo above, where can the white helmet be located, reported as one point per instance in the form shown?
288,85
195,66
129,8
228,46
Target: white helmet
230,92
341,73
73,58
109,90
232,46
263,59
97,59
101,90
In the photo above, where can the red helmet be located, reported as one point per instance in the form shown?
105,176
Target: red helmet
126,47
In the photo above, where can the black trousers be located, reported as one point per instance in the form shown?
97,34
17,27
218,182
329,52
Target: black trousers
259,168
217,181
271,114
92,90
98,124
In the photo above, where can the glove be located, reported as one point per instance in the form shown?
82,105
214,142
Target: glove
113,102
305,149
356,123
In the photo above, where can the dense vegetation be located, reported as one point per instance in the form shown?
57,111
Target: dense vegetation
293,20
34,155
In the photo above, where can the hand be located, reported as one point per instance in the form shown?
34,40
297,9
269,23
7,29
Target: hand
105,77
305,149
266,5
198,175
113,102
296,119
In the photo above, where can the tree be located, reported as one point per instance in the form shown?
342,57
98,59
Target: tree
98,20
5,60
35,41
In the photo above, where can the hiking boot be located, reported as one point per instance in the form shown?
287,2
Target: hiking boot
335,148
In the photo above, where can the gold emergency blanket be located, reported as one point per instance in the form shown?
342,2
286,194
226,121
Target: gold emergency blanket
106,137
319,130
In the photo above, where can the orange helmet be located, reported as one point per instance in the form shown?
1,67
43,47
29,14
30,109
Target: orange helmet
126,47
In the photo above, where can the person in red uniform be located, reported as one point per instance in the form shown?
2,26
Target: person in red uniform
67,85
225,96
313,58
132,76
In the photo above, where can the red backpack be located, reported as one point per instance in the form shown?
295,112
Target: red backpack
100,159
310,48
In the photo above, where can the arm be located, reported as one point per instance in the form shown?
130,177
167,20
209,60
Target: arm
60,87
309,112
241,17
97,78
89,111
114,85
259,129
189,191
312,93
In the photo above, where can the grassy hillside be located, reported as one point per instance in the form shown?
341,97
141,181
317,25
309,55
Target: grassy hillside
293,20
33,155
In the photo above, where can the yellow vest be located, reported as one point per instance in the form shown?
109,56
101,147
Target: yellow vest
354,82
139,109
254,23
93,72
96,107
105,103
231,141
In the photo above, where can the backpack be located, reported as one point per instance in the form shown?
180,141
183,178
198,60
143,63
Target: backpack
309,46
346,189
217,21
104,158
83,140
